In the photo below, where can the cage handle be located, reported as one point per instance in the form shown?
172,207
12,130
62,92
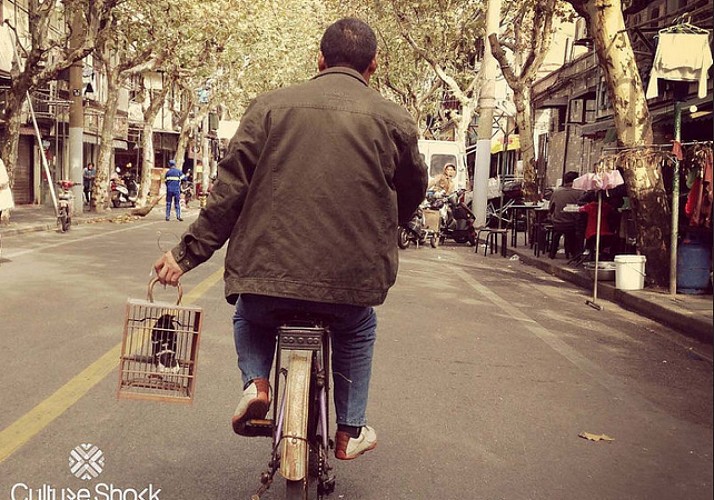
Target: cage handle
154,281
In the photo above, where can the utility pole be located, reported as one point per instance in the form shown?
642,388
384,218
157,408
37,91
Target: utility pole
76,117
487,102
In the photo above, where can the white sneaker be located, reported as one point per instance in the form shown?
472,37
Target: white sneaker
253,405
347,448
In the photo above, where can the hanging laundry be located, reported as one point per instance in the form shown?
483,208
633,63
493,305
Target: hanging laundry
681,57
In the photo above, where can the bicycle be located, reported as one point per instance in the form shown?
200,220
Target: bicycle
502,214
65,205
300,425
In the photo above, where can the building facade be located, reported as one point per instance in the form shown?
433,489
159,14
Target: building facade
573,108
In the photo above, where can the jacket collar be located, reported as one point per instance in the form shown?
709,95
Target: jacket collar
342,70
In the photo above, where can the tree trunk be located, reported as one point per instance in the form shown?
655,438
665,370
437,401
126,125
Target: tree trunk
633,124
147,166
9,142
101,192
468,108
606,24
524,119
10,134
650,208
181,145
147,141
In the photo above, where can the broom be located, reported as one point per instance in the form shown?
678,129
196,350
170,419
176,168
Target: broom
144,211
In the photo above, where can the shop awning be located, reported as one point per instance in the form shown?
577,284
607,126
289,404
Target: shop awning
514,143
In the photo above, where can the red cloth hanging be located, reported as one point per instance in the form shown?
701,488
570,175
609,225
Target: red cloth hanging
699,200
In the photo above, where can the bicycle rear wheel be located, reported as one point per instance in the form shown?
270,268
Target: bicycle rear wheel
294,448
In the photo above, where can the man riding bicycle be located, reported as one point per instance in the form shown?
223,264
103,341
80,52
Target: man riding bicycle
309,196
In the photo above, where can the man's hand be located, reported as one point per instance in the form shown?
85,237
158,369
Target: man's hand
167,270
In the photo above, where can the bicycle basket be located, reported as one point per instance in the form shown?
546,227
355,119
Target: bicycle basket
159,351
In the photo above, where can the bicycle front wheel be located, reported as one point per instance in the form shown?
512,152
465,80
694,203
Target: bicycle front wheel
294,447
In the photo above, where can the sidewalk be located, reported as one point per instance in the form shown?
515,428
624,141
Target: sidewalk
690,314
31,218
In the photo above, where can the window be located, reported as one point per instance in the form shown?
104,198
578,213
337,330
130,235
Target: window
437,163
654,14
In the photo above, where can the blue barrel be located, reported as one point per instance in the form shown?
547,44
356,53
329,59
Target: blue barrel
693,267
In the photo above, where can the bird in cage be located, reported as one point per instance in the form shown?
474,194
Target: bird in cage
163,343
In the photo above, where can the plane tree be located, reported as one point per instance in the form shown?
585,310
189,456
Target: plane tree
43,51
139,40
520,51
633,125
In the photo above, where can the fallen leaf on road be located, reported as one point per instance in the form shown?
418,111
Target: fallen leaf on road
595,437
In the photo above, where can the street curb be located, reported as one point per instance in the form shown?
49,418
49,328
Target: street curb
688,324
53,226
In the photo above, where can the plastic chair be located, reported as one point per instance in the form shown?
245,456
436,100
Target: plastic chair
543,238
491,240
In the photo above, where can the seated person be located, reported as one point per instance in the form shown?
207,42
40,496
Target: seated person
609,224
444,181
565,223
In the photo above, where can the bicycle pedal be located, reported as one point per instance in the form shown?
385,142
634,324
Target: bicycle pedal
259,427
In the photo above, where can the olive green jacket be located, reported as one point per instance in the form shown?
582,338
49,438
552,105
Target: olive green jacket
310,192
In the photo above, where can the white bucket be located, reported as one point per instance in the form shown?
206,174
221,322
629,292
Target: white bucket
630,272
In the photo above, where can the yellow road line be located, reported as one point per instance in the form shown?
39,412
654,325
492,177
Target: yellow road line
14,436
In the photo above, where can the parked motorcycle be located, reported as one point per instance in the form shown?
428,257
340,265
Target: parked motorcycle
187,191
418,230
65,205
458,223
124,190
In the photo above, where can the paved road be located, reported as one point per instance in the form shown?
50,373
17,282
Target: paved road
486,371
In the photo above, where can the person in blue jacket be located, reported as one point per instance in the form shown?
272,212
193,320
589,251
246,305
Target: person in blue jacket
173,189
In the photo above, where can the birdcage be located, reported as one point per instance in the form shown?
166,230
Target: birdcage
159,351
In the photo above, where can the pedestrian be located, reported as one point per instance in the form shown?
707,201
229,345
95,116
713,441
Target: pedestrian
6,201
351,159
565,224
173,180
88,175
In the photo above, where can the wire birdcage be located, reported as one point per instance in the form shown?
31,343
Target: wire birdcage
159,350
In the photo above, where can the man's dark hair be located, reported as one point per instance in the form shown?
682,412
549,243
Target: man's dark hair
349,42
569,177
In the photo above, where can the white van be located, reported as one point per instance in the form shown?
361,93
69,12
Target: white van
436,154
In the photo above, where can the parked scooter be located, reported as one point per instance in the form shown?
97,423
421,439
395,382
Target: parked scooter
458,223
187,191
413,232
124,190
418,230
65,205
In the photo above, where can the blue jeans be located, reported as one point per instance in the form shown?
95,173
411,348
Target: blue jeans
174,196
353,333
